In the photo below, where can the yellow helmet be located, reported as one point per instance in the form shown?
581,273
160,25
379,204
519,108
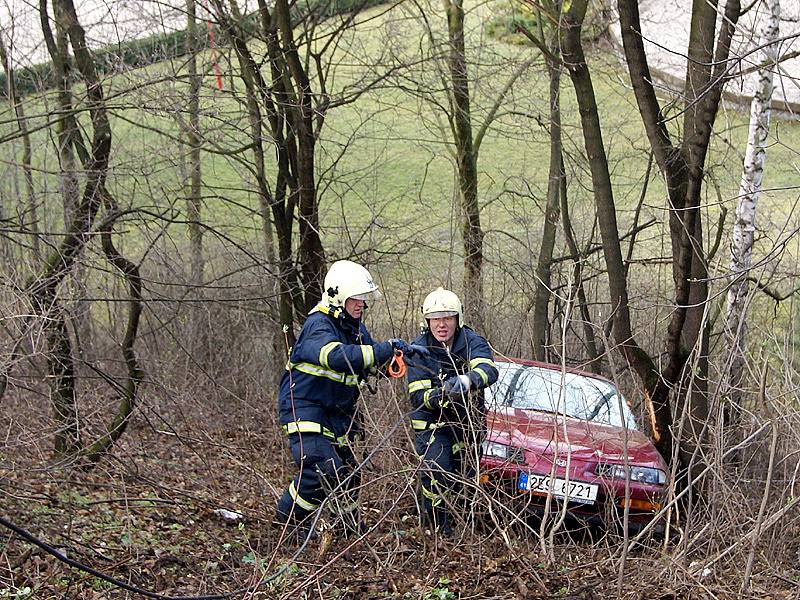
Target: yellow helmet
346,279
442,303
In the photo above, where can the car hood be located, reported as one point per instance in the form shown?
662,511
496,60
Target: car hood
547,434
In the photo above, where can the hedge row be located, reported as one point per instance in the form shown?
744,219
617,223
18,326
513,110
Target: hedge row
164,46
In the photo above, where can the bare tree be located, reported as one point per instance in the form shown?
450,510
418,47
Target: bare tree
682,166
192,184
557,204
575,62
556,180
747,199
274,113
287,101
447,92
467,163
43,290
30,221
193,141
67,128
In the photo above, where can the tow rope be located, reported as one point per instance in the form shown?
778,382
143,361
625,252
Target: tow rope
397,368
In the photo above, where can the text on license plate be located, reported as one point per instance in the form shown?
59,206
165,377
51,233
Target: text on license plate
575,491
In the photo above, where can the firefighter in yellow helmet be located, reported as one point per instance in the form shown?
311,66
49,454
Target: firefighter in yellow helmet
446,395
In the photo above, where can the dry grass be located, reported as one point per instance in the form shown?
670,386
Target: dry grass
205,436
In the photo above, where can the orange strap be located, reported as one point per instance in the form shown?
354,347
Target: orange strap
397,367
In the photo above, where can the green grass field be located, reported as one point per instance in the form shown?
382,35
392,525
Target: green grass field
386,175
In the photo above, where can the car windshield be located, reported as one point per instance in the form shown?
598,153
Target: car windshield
537,388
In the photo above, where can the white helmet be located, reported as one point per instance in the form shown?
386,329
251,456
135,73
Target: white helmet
442,303
346,279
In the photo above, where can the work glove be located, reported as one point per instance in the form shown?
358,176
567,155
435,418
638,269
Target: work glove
417,350
402,345
410,349
456,386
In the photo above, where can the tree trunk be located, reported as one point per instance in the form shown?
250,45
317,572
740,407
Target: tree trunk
554,185
128,392
683,170
61,375
67,126
302,118
258,95
687,333
43,289
577,278
68,136
193,189
30,220
744,224
197,334
575,61
284,202
466,161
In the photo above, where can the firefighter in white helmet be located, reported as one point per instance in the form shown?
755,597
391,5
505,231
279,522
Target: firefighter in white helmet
318,393
446,395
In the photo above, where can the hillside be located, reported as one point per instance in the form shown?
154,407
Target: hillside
184,502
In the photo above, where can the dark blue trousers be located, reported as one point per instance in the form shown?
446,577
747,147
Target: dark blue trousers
442,457
324,465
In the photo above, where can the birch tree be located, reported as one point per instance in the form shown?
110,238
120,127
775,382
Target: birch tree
747,198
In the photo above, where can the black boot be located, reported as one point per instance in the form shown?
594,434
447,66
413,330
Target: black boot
352,526
294,530
444,522
438,520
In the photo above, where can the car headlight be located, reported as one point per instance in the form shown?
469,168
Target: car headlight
502,451
641,474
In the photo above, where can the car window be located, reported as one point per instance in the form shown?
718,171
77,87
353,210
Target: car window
536,388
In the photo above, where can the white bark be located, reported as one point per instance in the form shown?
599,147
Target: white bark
749,189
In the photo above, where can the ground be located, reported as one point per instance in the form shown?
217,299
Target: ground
145,515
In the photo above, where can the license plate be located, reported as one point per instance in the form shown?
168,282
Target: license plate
574,491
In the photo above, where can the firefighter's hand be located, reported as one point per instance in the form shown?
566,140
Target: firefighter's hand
456,386
401,345
417,350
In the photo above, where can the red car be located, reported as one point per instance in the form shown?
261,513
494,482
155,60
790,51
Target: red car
565,433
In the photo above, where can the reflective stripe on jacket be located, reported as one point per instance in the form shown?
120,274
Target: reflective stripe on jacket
332,354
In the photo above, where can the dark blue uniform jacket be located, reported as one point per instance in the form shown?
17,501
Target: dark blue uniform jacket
320,386
469,355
